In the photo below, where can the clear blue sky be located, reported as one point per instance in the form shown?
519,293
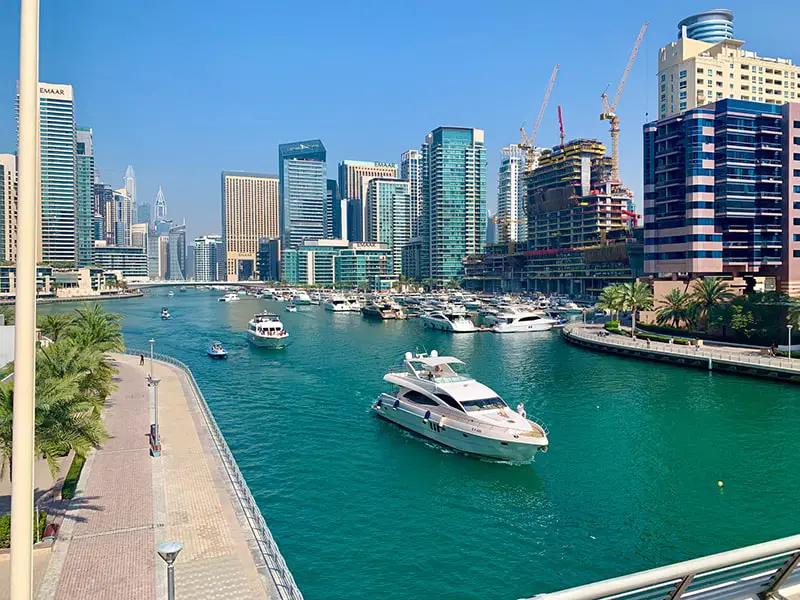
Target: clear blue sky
183,90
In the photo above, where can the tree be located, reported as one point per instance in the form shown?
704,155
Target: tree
95,328
8,314
636,296
453,284
675,307
56,326
706,294
611,299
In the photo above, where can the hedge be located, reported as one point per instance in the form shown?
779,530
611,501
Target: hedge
5,529
71,480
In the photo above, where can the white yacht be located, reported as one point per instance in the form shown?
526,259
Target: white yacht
301,299
265,330
354,305
337,303
229,297
522,320
435,398
315,298
445,320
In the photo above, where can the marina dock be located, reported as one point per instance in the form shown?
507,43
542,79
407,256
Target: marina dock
731,359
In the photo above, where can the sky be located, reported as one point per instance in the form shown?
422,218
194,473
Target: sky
184,90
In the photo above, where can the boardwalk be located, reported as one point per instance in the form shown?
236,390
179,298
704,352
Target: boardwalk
127,503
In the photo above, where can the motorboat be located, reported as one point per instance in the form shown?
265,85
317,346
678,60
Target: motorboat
165,314
301,299
265,330
315,298
522,320
229,297
379,310
447,321
433,396
183,288
354,304
215,350
337,303
291,308
170,293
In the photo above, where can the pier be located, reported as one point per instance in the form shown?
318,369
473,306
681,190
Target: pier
730,359
127,502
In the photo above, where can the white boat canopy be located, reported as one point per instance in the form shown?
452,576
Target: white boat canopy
436,361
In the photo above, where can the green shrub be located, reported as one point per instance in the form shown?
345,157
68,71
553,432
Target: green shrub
661,338
71,480
611,325
5,529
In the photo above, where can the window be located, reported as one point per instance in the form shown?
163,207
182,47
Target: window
683,74
683,106
484,404
699,82
449,400
796,172
663,77
683,85
796,156
418,398
796,140
683,95
700,71
795,221
796,189
796,124
796,253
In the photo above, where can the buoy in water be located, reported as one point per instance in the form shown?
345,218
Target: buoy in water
720,484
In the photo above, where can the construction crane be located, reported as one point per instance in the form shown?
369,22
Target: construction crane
560,126
527,143
609,113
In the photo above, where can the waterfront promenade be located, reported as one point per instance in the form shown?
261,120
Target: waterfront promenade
128,502
733,359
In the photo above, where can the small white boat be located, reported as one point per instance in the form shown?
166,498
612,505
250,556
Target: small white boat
265,330
434,397
337,303
315,298
522,321
291,308
170,293
165,314
229,297
301,299
447,321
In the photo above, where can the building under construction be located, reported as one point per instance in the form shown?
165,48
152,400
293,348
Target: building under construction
581,229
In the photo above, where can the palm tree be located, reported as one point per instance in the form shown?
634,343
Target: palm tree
56,326
611,299
636,296
453,284
675,307
708,293
95,328
93,371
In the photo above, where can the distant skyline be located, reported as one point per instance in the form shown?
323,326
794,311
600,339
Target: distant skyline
187,90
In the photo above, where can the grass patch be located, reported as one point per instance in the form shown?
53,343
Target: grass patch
5,529
71,480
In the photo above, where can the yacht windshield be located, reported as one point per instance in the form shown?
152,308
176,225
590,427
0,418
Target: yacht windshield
484,404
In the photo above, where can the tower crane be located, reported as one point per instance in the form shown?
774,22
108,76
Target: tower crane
560,126
527,143
609,113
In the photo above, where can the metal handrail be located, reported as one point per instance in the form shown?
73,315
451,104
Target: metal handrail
760,570
279,571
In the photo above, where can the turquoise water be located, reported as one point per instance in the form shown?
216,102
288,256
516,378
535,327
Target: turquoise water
364,510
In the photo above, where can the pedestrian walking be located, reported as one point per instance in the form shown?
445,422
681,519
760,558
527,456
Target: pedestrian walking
648,342
141,360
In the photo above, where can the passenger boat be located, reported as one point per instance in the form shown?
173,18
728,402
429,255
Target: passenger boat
521,321
215,350
337,303
379,310
265,330
434,397
291,308
301,299
447,321
229,297
165,314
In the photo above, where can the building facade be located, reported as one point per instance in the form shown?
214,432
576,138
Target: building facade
722,192
84,150
176,270
139,235
160,209
389,217
130,261
143,213
333,214
354,177
8,208
208,253
123,217
268,259
104,206
303,192
706,65
411,171
454,199
250,204
511,217
337,262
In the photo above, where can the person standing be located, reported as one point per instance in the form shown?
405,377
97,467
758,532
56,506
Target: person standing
141,360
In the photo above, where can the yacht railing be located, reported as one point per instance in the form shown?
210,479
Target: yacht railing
268,548
760,571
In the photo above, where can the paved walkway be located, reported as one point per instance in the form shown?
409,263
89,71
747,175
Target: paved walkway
127,503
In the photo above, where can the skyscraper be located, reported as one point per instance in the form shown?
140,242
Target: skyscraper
208,255
104,206
129,183
303,185
123,217
161,205
249,212
354,176
389,217
511,195
139,235
57,167
85,194
454,199
143,213
333,215
411,171
8,207
176,248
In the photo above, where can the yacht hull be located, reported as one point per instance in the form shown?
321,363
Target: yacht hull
337,307
522,327
271,343
442,325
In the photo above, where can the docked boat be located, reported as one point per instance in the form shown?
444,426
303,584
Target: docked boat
265,330
354,304
379,310
301,299
291,308
215,350
170,293
521,321
229,297
337,303
315,298
447,321
435,397
165,314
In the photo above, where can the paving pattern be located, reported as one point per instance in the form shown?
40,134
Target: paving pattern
127,503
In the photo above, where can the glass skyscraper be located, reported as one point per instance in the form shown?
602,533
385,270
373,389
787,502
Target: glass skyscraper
303,191
389,217
454,200
85,195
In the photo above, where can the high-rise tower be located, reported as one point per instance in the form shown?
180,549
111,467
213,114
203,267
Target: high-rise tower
354,177
85,195
411,171
8,207
129,183
161,205
511,195
303,191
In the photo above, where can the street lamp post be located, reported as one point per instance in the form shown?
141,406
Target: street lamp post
155,435
789,347
169,552
152,341
22,456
